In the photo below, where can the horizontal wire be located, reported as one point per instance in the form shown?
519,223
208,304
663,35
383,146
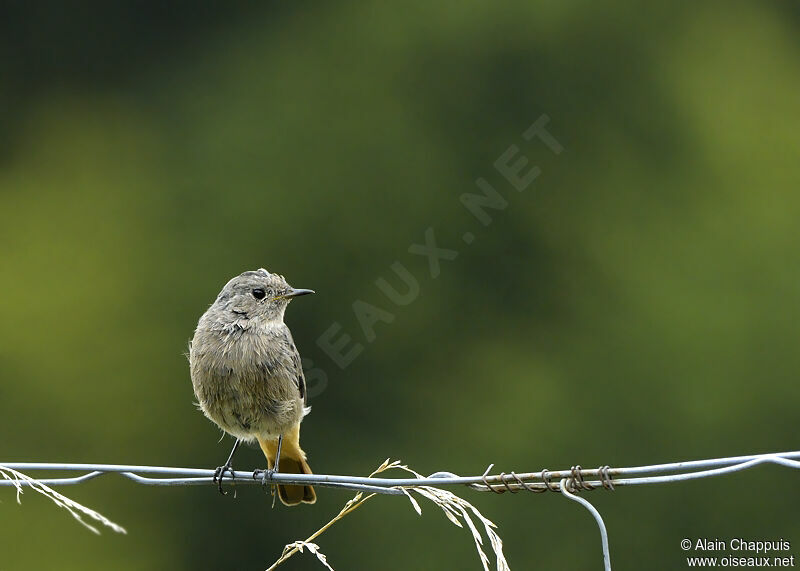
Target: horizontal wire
591,478
570,481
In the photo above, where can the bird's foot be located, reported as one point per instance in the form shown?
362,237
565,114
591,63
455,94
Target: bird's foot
265,476
219,474
266,480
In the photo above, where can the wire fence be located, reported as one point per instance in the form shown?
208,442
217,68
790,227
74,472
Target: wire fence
567,482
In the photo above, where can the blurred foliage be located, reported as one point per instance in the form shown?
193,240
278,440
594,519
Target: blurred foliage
639,303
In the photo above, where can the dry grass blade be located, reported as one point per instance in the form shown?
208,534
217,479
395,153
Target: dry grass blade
74,508
352,504
456,509
313,548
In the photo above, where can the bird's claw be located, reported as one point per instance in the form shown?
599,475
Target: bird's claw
219,474
264,475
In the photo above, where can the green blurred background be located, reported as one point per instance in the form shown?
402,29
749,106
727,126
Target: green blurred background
637,304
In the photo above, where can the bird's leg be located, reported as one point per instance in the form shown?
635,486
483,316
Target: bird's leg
268,473
278,454
219,473
277,463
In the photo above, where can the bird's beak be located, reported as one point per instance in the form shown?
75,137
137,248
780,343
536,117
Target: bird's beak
296,292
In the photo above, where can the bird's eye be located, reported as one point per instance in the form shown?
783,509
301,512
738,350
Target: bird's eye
259,293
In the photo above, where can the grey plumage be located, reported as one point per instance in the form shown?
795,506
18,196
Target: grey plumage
245,368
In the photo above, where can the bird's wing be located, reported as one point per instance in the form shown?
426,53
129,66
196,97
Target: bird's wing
296,367
300,379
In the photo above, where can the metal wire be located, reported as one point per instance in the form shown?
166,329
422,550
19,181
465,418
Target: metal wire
597,517
583,479
567,482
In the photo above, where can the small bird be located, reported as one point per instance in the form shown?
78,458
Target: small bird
247,375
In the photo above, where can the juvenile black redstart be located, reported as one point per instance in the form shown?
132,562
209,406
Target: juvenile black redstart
247,375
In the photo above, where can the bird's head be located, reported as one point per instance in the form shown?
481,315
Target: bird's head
257,294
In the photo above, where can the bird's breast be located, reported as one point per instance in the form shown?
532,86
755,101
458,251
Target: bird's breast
243,383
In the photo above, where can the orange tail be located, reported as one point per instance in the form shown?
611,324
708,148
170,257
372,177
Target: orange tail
293,461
